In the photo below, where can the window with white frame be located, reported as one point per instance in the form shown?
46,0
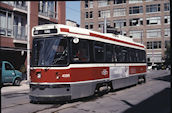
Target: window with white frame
101,25
136,10
153,33
136,21
136,34
91,25
153,21
119,1
91,14
86,25
119,12
152,8
103,3
91,3
5,23
167,43
135,1
86,3
105,13
119,23
154,44
167,19
167,32
86,14
166,6
51,9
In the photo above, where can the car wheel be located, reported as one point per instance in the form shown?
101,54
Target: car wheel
17,82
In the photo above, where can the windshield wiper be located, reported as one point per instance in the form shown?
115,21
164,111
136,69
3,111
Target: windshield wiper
61,57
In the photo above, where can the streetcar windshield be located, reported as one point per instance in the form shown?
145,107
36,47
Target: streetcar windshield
49,51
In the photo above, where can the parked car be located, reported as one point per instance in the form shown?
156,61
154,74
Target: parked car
9,74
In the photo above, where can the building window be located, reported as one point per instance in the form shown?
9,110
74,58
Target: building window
119,23
167,32
101,25
136,21
119,12
86,14
135,1
153,21
91,25
91,14
166,6
154,44
136,10
105,13
91,3
103,3
152,8
6,23
167,43
154,33
136,34
86,25
167,19
86,3
119,1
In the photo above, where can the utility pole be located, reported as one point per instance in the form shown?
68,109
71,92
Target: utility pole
152,53
141,38
28,41
105,25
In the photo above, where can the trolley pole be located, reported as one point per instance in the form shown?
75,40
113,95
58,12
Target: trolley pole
28,41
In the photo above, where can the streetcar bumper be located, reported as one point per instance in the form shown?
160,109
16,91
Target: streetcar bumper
50,93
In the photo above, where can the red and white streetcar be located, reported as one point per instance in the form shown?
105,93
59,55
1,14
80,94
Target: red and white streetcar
70,62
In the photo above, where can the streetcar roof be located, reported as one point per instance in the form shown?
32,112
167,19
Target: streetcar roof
86,33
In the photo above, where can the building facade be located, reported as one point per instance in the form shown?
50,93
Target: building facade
13,27
146,21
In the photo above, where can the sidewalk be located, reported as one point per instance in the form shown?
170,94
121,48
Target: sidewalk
7,89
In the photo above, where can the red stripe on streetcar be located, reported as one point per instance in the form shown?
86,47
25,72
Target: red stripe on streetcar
137,69
108,38
64,29
101,36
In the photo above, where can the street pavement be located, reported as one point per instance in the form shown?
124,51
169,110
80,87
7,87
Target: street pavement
8,88
151,97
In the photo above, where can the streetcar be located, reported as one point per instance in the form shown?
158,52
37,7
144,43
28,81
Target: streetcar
70,62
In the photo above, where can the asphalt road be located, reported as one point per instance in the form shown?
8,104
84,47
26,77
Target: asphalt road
151,97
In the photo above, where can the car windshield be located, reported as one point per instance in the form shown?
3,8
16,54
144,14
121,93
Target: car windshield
49,51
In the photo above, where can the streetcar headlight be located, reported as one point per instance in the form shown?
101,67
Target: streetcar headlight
38,75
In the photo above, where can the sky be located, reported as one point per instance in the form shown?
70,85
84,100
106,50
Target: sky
73,11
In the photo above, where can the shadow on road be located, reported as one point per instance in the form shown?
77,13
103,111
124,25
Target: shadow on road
158,103
164,78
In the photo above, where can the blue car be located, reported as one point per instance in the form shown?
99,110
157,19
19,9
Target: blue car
9,74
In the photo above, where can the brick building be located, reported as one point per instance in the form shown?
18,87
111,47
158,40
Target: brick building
146,21
13,27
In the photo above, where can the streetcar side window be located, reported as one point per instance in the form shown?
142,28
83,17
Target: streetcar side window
109,53
118,50
99,52
80,51
114,54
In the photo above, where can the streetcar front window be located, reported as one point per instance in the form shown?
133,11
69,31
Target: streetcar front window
49,51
